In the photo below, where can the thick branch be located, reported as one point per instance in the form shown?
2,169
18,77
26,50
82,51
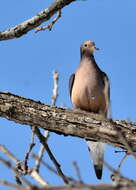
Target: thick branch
35,21
68,122
103,186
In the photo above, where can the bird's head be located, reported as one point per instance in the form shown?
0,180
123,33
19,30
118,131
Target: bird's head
88,47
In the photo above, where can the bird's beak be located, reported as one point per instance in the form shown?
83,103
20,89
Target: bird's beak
96,48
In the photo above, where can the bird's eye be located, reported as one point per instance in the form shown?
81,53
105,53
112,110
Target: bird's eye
85,45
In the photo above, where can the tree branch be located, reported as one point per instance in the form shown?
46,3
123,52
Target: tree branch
21,29
67,122
102,186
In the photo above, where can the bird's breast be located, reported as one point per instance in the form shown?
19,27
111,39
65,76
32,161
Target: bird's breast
87,92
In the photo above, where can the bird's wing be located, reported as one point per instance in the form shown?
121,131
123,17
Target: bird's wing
107,94
97,148
71,82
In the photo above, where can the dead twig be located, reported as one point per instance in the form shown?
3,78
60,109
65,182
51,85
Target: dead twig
71,179
124,141
29,151
124,157
55,89
9,154
49,26
15,186
122,161
41,152
77,169
21,169
46,133
41,17
57,165
15,160
9,165
22,166
35,175
116,175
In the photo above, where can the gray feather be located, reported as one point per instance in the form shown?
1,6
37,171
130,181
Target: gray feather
97,153
71,82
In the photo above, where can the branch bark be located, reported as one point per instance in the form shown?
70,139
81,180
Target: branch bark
68,122
102,186
43,16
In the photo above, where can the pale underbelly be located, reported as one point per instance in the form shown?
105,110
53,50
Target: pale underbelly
89,100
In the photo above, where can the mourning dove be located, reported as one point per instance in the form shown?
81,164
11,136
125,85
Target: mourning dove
90,91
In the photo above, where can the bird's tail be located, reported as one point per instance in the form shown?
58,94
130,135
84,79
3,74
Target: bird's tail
97,152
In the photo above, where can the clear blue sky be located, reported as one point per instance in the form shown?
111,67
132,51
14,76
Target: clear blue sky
27,64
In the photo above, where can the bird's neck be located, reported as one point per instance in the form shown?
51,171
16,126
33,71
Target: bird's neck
90,57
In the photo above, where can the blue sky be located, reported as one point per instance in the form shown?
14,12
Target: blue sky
27,64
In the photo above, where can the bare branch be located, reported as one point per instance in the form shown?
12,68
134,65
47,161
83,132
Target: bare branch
128,146
41,152
29,151
122,161
49,26
116,175
21,29
55,89
122,183
52,157
14,186
46,133
21,167
101,186
9,154
72,180
77,171
34,174
9,165
67,122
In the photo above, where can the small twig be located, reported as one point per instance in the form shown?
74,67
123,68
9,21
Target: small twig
9,165
15,160
41,151
34,174
46,133
116,175
22,166
120,151
77,171
52,169
124,157
122,161
9,154
124,141
15,186
31,172
57,165
55,89
116,172
45,164
49,26
29,151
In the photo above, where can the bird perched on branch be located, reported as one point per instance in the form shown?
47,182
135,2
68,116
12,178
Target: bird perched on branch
90,91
